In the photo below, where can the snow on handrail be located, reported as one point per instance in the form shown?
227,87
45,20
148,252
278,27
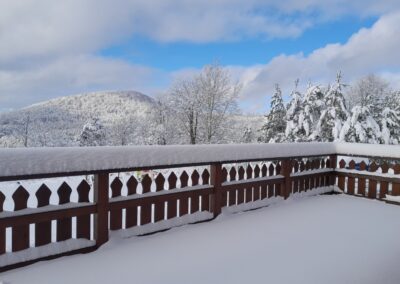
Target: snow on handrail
36,162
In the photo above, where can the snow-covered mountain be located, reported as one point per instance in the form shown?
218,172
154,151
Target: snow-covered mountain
59,121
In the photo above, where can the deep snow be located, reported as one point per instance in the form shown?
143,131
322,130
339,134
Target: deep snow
321,239
31,161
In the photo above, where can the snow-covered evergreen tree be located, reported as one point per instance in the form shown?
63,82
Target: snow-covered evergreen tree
361,127
93,134
274,128
335,114
294,131
389,119
313,106
390,126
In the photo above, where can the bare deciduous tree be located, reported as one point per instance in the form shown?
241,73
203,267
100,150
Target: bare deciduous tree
200,105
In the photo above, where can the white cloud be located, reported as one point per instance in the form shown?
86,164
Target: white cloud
373,50
48,48
74,74
38,29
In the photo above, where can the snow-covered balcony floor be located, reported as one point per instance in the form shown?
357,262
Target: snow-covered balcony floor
322,239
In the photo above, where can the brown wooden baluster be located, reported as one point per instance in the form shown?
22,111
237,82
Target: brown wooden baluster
342,179
194,199
224,194
264,188
307,183
172,204
271,187
2,229
351,180
295,182
64,225
372,182
205,198
83,221
318,178
131,211
232,192
241,190
278,186
20,234
396,185
384,184
145,211
302,168
325,177
116,214
183,202
256,189
43,229
159,205
361,181
249,189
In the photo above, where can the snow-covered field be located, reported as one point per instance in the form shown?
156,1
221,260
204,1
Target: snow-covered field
321,239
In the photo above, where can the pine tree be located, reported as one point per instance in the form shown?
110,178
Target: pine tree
361,127
313,106
389,120
335,114
294,131
93,134
274,127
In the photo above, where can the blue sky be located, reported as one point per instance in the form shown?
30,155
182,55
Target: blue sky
75,46
244,52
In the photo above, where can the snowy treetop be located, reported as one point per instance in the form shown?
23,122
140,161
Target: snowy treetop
36,161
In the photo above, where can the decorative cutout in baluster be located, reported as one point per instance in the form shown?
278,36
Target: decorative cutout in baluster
183,202
145,210
64,226
172,204
2,229
83,221
249,189
372,183
43,229
361,181
351,180
396,186
116,214
194,198
205,198
131,211
159,205
384,188
240,194
20,234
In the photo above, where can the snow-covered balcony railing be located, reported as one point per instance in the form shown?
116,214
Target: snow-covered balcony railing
57,201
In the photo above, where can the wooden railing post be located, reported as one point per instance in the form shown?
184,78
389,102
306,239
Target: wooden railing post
333,162
101,184
286,187
216,182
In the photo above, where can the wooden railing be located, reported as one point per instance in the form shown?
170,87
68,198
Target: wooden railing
55,213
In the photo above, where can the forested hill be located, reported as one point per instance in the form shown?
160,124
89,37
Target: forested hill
58,122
